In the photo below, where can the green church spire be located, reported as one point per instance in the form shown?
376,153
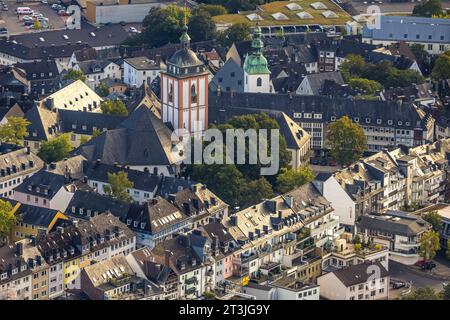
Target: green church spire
256,63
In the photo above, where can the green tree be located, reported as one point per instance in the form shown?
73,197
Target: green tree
102,90
14,131
428,9
163,25
441,68
369,86
434,219
236,33
346,140
429,244
84,139
74,75
56,149
213,9
352,67
96,132
446,293
419,52
7,218
254,191
224,180
201,25
290,179
114,107
447,252
426,293
118,185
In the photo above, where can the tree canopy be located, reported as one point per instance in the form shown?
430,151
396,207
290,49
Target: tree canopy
74,75
429,244
114,107
426,293
346,140
241,184
434,219
56,149
428,8
7,218
290,179
14,131
441,68
118,185
236,33
369,86
382,72
201,25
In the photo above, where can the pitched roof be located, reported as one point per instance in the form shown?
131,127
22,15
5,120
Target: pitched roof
393,223
317,80
36,216
358,273
43,123
42,183
402,28
39,70
142,139
84,122
294,135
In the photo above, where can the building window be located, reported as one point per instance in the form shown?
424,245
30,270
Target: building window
259,82
193,94
170,97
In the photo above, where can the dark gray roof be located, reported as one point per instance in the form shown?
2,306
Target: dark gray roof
36,216
401,28
359,273
404,225
224,106
317,80
230,77
85,122
110,35
39,70
93,66
142,139
43,184
43,123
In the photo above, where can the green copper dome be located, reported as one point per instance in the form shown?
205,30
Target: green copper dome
256,63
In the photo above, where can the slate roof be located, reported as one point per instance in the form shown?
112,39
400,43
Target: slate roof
224,106
317,80
16,161
43,184
39,70
85,122
143,63
36,216
108,35
24,52
142,139
294,135
404,225
93,66
394,28
88,53
43,123
358,273
9,258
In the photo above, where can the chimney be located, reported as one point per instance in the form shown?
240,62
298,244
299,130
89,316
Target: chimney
167,255
19,249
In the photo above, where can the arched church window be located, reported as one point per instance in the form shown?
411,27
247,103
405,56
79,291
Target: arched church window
259,82
193,94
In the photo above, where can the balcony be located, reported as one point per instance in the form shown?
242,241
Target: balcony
324,226
192,280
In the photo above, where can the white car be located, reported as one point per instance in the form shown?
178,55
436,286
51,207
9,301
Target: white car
133,30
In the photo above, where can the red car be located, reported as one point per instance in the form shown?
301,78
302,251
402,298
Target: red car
63,13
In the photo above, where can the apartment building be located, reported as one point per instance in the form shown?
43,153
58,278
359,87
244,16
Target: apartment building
15,275
365,281
387,180
16,164
386,124
399,231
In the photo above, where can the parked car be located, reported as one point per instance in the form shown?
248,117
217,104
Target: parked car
133,30
314,161
398,284
3,31
63,13
4,7
28,23
44,1
429,265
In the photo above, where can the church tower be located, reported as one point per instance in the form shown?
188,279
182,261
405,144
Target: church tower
184,89
256,72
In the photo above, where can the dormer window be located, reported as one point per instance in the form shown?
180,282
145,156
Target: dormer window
128,222
390,122
73,209
142,225
367,120
3,276
378,121
400,123
135,224
14,271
